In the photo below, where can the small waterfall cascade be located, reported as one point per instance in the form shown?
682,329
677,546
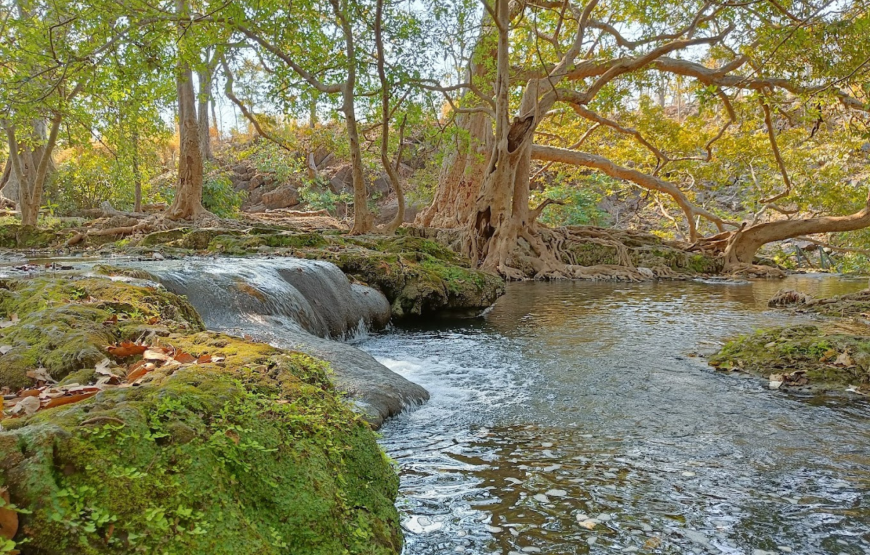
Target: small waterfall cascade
305,305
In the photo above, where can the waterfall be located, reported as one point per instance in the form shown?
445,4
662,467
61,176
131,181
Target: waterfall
304,305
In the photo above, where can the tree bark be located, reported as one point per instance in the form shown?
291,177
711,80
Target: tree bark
188,193
137,173
31,167
205,94
745,242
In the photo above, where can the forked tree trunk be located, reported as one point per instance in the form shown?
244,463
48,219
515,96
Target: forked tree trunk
31,167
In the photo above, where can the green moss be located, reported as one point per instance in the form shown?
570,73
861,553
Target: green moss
16,236
258,455
115,271
162,237
64,325
799,348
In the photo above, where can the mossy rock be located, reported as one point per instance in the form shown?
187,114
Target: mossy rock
115,271
803,348
162,237
255,454
199,239
415,282
64,325
16,236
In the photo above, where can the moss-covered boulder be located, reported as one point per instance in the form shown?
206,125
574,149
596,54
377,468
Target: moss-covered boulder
251,450
64,325
800,357
418,276
255,455
16,236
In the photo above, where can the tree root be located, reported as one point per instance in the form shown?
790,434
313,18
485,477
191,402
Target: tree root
755,271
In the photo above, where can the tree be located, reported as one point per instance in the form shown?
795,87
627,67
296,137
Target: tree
577,56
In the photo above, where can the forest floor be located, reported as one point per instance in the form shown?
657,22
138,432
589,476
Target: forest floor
833,356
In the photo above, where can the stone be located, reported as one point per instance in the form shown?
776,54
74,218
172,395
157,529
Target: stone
282,197
541,498
557,493
342,181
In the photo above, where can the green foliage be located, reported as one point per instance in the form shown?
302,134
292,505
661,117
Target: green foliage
580,205
218,194
320,197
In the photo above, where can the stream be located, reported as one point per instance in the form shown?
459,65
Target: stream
574,418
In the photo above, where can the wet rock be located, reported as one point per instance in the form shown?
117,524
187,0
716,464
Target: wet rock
540,497
556,493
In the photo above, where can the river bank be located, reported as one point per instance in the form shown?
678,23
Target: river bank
831,354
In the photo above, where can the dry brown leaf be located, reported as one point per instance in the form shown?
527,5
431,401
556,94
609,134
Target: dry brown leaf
139,372
27,405
8,517
74,398
184,358
154,354
126,349
845,360
154,320
40,375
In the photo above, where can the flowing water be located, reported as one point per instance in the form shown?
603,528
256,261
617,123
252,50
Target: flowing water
582,402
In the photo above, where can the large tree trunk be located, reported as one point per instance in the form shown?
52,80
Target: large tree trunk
464,166
362,216
32,166
187,204
745,242
137,173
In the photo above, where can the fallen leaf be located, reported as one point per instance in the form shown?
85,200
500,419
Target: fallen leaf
68,399
845,360
652,543
40,375
185,358
126,349
30,393
204,359
153,320
8,517
28,406
139,372
111,321
152,354
588,524
103,367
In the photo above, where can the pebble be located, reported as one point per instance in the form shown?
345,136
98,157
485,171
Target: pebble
552,467
762,552
589,524
630,549
557,493
603,517
493,529
646,527
688,474
531,549
784,548
513,480
610,475
541,497
582,516
591,540
514,533
547,444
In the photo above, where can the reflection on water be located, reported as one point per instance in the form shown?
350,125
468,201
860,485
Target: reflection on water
573,420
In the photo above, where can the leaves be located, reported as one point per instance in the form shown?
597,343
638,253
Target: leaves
126,349
8,517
